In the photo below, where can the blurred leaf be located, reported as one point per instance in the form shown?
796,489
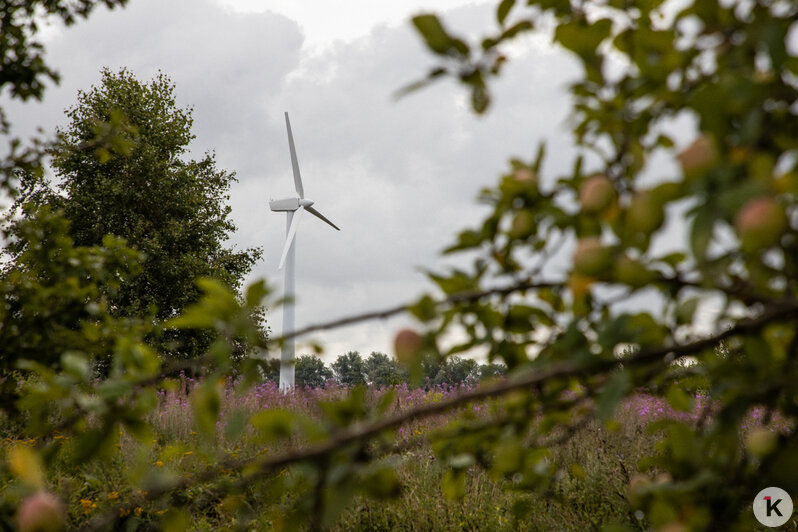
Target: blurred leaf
678,399
26,464
381,483
176,520
610,395
273,424
503,10
453,484
440,42
207,403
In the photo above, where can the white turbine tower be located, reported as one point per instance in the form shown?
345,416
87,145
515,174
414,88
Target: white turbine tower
294,208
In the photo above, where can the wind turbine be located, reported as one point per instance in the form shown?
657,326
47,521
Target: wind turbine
294,208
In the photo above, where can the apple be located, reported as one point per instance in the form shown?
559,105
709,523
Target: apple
698,156
644,214
41,512
632,272
407,346
760,222
524,175
591,257
522,225
596,194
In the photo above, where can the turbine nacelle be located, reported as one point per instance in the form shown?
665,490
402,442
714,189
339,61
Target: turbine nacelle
289,204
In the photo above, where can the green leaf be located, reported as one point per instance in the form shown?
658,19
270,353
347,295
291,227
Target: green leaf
611,394
686,309
440,42
453,484
505,6
207,403
256,292
702,231
26,464
678,399
508,454
236,423
381,483
76,364
176,520
273,424
424,309
582,38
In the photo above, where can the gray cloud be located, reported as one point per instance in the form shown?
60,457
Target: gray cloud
399,178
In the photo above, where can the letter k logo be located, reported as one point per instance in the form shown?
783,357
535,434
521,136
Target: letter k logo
771,506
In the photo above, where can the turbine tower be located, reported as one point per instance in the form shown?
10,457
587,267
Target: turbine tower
294,208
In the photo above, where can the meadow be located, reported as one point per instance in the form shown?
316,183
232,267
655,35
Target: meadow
603,464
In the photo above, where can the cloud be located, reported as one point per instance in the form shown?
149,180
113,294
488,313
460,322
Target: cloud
399,177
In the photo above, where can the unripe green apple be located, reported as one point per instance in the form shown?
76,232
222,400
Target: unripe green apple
407,346
632,272
644,214
596,194
591,257
698,156
760,223
41,512
522,225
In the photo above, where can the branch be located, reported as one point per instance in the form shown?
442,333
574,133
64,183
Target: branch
539,376
460,297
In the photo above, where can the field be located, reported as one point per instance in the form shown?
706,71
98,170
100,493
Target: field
601,467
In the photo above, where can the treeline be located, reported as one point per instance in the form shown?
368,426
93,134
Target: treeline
379,369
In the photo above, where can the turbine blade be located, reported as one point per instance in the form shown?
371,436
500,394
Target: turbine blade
289,238
294,161
317,214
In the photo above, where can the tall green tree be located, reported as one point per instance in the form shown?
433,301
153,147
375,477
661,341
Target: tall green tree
146,190
456,370
349,369
382,370
311,372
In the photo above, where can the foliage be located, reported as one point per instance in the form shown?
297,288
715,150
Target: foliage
311,372
349,369
728,66
382,370
456,369
574,353
141,189
56,299
23,70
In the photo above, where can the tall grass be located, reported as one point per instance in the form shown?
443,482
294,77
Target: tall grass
592,489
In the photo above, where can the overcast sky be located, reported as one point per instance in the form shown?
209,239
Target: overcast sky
399,177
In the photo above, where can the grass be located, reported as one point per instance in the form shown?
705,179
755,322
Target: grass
590,491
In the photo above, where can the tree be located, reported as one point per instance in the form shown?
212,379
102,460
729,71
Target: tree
311,372
271,370
171,209
55,299
349,369
24,71
382,370
491,371
456,370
